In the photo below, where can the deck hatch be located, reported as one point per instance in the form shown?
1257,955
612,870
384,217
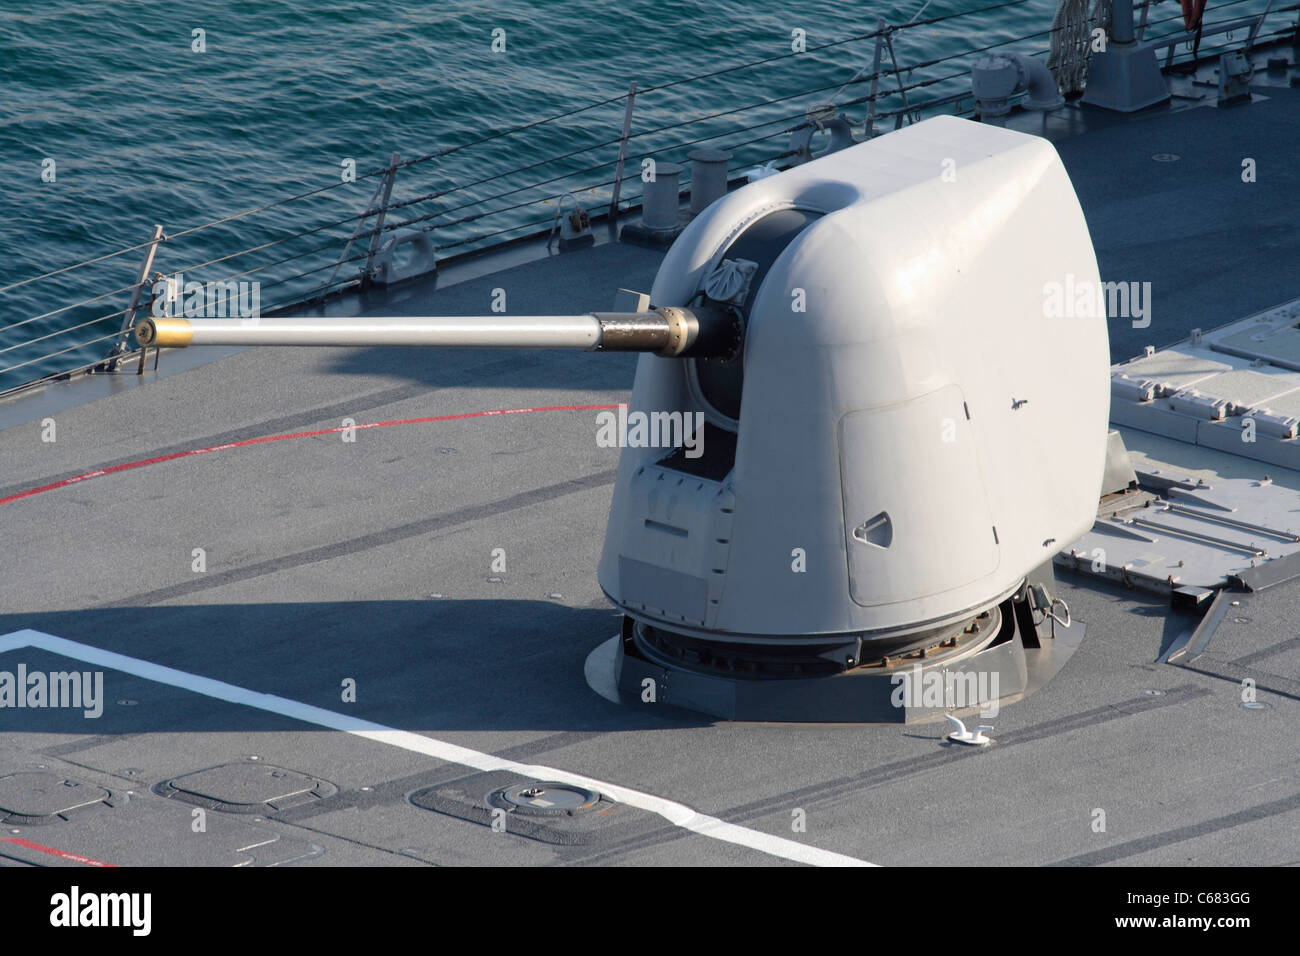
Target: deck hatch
43,797
246,787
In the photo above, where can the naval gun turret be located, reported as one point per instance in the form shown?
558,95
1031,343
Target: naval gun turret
900,427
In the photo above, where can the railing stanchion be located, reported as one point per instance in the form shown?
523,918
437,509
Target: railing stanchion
356,231
128,318
1142,24
622,153
149,310
379,220
875,79
902,90
1255,27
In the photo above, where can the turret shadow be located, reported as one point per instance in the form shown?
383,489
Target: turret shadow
427,666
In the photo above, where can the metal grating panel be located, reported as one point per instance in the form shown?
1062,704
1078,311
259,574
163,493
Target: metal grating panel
1195,533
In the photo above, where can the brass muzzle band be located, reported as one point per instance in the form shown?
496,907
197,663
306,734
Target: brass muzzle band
164,333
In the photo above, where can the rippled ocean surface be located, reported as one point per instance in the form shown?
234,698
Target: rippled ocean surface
141,129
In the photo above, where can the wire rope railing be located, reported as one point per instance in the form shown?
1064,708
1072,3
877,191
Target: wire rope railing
503,202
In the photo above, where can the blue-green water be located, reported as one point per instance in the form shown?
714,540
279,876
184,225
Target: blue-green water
142,129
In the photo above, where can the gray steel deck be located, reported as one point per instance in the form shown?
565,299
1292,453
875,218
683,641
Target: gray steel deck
324,559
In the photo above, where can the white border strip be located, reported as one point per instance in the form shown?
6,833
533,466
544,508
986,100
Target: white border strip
675,813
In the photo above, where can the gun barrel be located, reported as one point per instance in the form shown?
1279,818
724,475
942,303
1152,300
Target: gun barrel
665,331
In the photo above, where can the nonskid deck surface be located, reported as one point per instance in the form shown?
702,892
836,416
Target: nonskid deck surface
372,562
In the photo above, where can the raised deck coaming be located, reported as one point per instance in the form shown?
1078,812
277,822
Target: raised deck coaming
323,556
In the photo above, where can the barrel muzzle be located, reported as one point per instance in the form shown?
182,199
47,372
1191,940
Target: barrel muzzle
164,333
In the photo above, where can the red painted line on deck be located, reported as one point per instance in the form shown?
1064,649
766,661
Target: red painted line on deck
128,466
61,854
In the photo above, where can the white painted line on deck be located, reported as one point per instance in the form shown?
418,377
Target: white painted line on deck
675,813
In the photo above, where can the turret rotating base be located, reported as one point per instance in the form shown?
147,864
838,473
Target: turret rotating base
975,668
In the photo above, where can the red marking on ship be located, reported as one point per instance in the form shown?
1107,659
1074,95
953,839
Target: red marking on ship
143,462
61,854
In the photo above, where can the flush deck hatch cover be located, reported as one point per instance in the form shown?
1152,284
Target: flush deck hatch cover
247,787
44,795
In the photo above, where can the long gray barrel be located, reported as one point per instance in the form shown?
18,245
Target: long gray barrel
665,331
